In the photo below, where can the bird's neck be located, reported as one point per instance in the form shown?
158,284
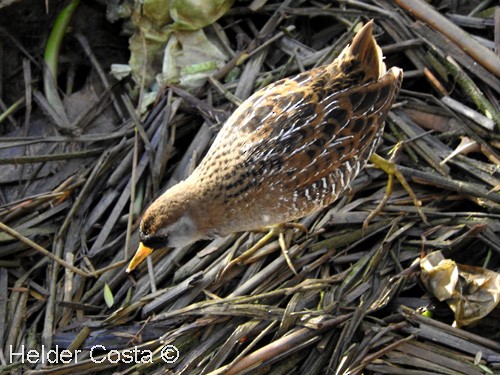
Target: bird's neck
198,202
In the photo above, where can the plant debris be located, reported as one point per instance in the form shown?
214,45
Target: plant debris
72,190
471,292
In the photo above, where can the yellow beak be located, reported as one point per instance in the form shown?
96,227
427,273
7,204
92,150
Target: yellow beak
141,254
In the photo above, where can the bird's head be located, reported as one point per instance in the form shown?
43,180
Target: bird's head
168,222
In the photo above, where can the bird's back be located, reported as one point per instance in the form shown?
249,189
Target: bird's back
295,145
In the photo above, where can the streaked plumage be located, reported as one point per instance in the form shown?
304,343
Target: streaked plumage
290,149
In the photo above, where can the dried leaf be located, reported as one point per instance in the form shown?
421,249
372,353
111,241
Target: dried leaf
471,292
196,14
170,31
158,11
439,275
480,294
190,57
466,145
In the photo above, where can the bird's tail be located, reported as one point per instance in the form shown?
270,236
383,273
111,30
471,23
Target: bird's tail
363,57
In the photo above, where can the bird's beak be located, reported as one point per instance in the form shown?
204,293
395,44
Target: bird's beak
141,254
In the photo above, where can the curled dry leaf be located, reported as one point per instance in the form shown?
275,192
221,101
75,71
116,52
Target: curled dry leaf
466,145
471,292
196,14
169,34
189,57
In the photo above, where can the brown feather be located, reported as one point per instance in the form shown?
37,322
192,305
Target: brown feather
290,149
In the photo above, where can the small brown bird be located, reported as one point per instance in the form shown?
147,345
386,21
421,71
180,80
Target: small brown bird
289,150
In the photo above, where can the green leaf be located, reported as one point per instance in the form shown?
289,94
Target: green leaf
108,296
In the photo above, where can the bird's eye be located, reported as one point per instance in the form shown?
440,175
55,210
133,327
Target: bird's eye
155,242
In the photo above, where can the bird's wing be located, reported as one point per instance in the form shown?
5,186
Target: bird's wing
294,136
304,134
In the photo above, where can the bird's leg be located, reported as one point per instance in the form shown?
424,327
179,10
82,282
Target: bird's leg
284,247
389,167
284,251
273,231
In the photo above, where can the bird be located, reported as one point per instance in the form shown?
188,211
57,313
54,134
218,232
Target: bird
287,151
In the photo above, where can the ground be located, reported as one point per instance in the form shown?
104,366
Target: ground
357,303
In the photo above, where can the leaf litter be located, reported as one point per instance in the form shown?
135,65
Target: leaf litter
70,203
